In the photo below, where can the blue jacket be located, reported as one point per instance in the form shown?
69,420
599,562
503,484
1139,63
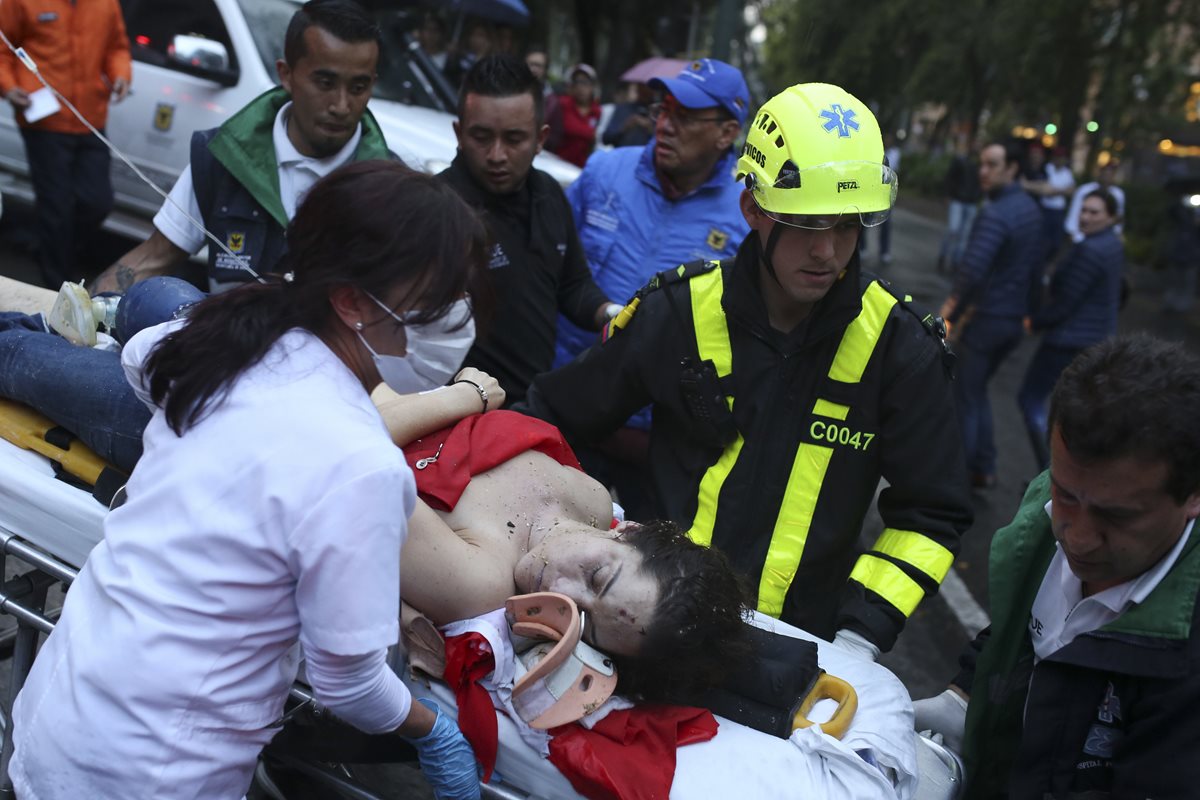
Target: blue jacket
1085,293
630,231
1003,257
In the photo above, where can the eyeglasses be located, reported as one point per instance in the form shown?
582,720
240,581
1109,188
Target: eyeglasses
681,116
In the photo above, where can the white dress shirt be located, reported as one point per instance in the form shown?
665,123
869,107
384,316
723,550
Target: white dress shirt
1060,612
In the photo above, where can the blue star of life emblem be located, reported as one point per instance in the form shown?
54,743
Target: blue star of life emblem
841,120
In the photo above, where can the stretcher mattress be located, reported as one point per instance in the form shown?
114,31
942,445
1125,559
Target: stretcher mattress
744,763
59,518
739,762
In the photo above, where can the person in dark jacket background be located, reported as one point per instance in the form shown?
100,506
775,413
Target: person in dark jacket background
990,298
537,265
962,189
1086,683
1085,295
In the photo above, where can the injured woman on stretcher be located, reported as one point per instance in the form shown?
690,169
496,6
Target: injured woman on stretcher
505,510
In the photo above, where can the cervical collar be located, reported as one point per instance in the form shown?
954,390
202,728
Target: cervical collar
567,678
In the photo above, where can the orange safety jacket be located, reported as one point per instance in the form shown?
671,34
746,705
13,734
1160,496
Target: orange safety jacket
80,48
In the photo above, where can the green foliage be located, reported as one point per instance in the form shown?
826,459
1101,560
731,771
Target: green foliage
1146,222
1023,61
924,174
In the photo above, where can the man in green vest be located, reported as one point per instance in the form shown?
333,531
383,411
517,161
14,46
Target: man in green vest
786,383
1087,684
246,177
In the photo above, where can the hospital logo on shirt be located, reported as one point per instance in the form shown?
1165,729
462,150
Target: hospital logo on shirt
236,241
717,239
164,115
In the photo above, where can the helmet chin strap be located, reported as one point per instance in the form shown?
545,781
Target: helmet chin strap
769,250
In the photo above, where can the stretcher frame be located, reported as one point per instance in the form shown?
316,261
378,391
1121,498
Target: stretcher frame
23,597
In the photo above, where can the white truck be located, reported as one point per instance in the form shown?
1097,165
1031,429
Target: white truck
196,62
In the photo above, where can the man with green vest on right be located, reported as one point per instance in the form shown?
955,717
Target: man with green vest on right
1087,682
787,382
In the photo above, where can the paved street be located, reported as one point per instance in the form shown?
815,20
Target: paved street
926,657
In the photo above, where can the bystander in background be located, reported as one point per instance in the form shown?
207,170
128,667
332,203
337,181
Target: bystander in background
962,189
580,114
81,49
1080,310
1106,181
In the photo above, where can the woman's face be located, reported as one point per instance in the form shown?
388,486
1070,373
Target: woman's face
1094,216
582,88
603,575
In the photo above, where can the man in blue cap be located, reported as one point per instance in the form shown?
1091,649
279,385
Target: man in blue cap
640,210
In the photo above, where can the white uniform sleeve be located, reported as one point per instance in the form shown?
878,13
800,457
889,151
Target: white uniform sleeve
1071,225
137,350
361,690
345,554
172,222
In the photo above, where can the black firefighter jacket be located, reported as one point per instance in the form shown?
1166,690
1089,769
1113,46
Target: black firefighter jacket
786,497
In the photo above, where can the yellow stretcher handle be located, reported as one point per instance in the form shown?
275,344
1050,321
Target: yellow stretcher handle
828,687
26,428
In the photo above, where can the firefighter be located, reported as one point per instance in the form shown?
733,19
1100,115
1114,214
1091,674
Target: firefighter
786,383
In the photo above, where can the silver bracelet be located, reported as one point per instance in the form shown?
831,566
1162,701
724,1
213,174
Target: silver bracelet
482,393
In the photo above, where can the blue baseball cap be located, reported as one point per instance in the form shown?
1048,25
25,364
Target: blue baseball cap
707,82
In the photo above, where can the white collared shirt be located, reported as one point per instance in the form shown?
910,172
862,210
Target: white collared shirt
1061,612
297,174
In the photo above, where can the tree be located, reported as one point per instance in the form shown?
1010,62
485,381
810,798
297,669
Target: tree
1022,61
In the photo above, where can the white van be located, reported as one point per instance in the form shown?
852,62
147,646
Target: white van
196,62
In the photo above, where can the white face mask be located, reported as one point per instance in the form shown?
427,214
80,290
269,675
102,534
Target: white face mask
435,351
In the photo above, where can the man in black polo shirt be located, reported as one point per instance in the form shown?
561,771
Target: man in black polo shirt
537,265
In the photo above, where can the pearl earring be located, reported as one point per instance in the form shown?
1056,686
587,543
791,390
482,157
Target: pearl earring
358,326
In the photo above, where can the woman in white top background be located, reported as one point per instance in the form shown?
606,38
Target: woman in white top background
268,510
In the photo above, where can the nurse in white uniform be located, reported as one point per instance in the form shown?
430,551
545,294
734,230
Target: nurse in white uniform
269,509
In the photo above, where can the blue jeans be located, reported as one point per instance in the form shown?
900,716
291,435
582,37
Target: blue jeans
959,219
1048,363
986,341
80,388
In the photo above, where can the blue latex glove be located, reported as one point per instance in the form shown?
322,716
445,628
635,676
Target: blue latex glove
446,758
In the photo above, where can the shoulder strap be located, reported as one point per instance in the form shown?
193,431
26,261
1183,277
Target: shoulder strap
934,325
684,272
204,166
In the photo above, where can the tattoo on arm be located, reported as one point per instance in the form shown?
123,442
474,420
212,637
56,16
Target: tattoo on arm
126,277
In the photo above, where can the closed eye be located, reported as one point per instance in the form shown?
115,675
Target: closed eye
616,574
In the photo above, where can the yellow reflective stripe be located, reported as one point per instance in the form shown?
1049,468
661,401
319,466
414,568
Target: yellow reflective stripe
917,549
792,526
824,408
710,489
808,470
889,582
712,343
859,340
708,319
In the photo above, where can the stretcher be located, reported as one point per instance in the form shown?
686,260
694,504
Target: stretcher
51,526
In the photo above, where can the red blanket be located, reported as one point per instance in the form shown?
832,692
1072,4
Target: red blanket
476,444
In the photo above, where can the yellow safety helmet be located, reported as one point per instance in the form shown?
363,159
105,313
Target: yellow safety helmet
814,152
